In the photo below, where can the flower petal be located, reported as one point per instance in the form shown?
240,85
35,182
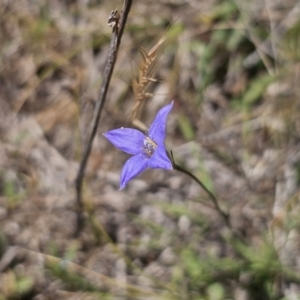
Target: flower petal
133,167
160,159
157,130
126,139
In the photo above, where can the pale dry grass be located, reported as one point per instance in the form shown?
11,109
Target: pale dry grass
48,86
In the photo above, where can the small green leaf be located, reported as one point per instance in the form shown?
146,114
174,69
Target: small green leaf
186,128
24,285
215,292
256,89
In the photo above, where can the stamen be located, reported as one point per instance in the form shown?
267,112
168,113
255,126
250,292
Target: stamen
149,146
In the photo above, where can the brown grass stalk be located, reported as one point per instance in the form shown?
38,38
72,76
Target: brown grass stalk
117,33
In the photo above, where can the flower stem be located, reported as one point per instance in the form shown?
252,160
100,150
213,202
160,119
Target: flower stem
213,198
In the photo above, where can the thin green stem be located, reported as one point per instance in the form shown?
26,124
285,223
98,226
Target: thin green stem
212,197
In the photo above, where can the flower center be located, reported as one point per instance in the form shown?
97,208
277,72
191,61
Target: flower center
149,146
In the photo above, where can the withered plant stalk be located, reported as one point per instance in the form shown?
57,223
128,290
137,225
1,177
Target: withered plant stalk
117,32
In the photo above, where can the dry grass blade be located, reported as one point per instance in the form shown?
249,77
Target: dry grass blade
145,78
98,280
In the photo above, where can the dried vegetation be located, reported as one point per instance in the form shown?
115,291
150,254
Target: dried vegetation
232,68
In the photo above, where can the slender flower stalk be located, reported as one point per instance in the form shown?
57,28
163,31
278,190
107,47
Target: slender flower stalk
212,197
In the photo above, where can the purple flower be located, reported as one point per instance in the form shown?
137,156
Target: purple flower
148,149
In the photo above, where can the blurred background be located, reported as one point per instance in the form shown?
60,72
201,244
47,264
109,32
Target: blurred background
232,69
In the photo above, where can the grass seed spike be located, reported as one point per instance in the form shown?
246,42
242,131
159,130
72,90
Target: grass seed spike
145,78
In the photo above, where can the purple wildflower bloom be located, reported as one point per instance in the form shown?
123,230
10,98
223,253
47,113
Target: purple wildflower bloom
148,149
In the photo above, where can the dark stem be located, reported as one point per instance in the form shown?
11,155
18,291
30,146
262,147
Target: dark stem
117,33
213,198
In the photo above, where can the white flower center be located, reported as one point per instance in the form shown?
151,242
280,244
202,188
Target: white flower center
149,146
